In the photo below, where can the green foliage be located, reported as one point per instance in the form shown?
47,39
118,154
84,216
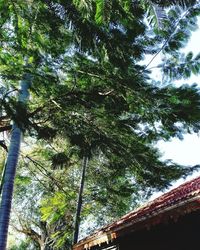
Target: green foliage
22,180
56,211
91,97
2,162
103,11
182,3
99,11
180,66
57,207
24,245
60,159
180,26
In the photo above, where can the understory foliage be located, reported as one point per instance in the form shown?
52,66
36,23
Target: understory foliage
92,97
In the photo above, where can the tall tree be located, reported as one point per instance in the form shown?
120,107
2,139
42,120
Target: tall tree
79,202
11,164
95,89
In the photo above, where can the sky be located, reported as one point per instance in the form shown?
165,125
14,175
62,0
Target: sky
187,151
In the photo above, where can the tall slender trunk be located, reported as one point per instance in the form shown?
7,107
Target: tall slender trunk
10,167
79,203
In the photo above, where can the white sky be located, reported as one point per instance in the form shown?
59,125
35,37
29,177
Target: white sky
187,151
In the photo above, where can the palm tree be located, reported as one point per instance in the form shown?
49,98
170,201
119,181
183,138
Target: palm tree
79,202
10,166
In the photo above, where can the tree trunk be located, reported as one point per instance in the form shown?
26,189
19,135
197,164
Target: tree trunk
10,167
79,203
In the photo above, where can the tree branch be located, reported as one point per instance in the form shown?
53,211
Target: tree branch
5,128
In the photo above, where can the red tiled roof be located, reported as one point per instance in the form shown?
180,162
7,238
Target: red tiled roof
181,200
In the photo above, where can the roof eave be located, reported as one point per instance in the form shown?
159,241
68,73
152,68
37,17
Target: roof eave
108,235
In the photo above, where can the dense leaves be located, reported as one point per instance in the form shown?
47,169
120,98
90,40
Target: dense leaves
91,97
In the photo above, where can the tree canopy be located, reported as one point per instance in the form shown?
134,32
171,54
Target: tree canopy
92,96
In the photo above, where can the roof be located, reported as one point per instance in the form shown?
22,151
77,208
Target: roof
179,201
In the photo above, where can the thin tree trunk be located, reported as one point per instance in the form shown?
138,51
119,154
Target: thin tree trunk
79,203
10,167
